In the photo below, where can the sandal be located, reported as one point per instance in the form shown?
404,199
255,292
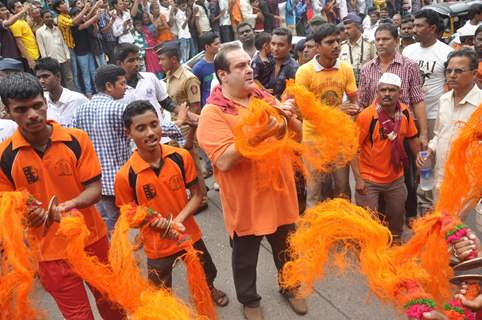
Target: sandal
219,297
202,207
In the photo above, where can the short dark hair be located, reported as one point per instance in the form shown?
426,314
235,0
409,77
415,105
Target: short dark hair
310,37
467,53
406,19
261,39
136,108
388,27
19,85
122,50
372,10
11,4
170,51
243,24
220,60
114,3
49,64
107,73
431,17
474,10
2,5
283,32
44,12
325,30
207,38
55,4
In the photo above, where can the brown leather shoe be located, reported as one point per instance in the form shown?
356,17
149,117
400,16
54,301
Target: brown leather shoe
253,313
298,305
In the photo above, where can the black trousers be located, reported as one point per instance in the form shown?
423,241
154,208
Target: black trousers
245,260
160,270
410,173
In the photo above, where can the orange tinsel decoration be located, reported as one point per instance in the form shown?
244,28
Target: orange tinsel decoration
17,263
125,287
348,228
335,145
126,267
462,185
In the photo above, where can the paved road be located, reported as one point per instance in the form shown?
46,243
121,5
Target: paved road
337,297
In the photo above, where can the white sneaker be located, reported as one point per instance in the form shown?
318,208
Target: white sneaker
216,186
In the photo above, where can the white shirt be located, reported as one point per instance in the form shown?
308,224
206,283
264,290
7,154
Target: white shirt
431,62
51,44
369,32
118,28
202,19
148,88
450,119
182,33
247,12
63,110
7,128
225,19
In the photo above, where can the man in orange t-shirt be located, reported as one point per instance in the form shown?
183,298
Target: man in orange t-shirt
378,168
48,160
250,212
156,176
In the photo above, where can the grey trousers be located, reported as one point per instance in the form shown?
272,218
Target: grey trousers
394,195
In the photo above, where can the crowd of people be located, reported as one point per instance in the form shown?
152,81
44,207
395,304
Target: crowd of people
103,97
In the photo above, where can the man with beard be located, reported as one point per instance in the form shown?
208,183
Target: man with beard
378,169
329,79
246,36
406,32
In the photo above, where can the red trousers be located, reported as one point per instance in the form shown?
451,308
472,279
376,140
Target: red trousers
68,289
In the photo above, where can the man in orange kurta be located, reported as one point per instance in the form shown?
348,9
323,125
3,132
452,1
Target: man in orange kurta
250,212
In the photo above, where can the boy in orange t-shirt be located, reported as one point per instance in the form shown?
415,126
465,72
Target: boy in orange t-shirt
48,160
157,176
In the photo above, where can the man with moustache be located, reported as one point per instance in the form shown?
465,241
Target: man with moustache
378,168
406,32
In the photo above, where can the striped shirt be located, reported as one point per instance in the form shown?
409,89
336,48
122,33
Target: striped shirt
403,67
65,24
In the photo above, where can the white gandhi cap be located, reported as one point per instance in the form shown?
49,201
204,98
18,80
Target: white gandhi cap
390,78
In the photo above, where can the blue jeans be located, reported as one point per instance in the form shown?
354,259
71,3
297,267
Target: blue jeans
185,49
100,59
108,211
75,70
87,68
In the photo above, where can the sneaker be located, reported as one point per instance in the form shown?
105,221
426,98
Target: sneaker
216,186
299,306
253,313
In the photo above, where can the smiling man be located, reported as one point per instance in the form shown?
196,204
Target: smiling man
250,212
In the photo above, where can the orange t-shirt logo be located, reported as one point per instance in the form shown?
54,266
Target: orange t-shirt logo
149,191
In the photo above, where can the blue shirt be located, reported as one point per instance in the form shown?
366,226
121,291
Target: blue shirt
287,71
204,71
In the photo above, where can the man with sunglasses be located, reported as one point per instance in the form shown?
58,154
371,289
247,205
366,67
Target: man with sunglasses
456,106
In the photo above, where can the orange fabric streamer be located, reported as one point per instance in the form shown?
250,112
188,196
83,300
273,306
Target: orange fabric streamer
121,248
462,185
125,287
348,228
17,262
335,145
